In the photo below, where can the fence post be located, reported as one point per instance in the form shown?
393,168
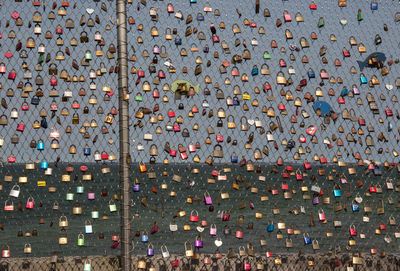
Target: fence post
123,133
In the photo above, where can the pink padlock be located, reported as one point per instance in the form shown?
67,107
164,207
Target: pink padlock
5,251
192,147
220,138
91,195
239,233
247,266
321,215
213,230
156,49
2,67
207,198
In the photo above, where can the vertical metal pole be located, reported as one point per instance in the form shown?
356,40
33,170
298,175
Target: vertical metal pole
123,133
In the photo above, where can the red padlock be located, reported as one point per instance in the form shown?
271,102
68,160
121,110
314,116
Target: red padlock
353,231
171,114
194,216
173,152
21,127
30,203
285,175
299,175
25,106
184,155
284,186
11,159
177,127
220,138
104,155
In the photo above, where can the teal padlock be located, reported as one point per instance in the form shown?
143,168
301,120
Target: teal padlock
88,55
95,214
44,165
81,240
80,189
112,206
70,196
87,265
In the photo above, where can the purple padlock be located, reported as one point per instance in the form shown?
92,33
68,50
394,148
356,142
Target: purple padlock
136,187
150,250
315,200
207,198
198,242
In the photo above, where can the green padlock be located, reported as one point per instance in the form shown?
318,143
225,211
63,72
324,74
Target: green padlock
138,97
70,196
360,15
81,240
80,189
321,22
267,55
41,59
88,55
95,214
112,206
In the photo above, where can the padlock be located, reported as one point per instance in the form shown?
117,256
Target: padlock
81,240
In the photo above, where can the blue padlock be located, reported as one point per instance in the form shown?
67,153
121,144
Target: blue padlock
236,101
136,187
337,193
234,158
254,71
44,165
270,227
145,237
40,145
374,5
178,41
311,74
307,239
35,100
193,1
200,17
355,207
87,151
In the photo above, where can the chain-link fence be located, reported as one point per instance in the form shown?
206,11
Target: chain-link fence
254,127
212,262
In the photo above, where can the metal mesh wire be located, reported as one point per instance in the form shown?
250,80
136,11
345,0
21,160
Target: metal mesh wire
168,188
